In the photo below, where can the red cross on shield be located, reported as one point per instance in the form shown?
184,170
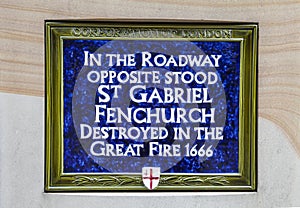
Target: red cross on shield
151,176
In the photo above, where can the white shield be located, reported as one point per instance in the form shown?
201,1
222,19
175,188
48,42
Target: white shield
151,176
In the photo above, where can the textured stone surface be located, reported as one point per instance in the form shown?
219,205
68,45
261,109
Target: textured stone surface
22,47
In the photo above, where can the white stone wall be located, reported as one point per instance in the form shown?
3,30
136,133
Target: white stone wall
22,169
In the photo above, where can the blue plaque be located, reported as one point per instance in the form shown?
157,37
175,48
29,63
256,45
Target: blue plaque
150,106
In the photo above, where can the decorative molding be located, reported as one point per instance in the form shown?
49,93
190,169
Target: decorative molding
125,32
194,180
109,180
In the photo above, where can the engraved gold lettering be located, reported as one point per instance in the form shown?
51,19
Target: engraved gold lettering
150,32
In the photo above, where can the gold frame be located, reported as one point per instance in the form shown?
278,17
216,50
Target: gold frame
246,33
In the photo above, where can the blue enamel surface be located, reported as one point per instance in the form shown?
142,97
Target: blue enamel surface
225,157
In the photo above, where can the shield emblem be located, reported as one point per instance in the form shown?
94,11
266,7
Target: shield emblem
151,176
